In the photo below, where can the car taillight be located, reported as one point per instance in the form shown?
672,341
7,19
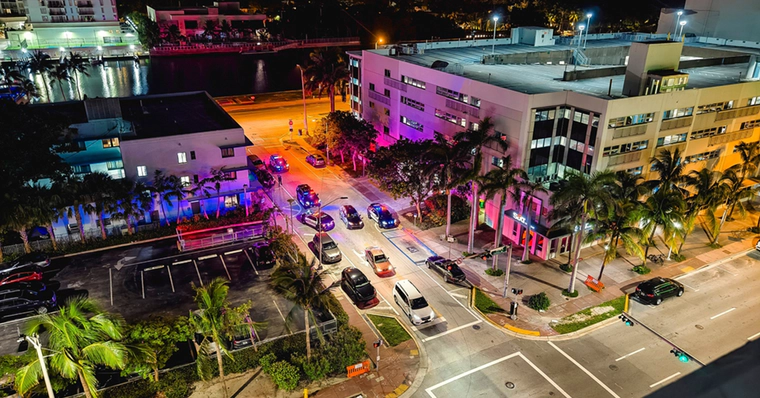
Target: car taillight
650,295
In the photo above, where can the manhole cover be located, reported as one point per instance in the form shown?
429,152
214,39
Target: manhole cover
476,327
700,327
613,367
510,385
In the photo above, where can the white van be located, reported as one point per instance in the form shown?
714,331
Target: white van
412,303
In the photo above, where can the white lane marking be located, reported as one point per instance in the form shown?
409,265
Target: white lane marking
628,355
451,331
544,375
753,336
234,252
447,292
210,256
283,318
690,287
732,273
457,295
665,379
723,313
569,358
388,302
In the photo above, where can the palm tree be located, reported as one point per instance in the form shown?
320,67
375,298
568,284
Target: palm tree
301,283
173,33
60,74
39,63
750,154
485,135
101,188
216,321
502,181
663,208
618,224
202,187
81,339
175,189
450,164
327,70
12,77
670,169
159,187
49,205
72,190
524,194
77,64
22,215
131,200
209,28
589,194
709,192
735,194
215,180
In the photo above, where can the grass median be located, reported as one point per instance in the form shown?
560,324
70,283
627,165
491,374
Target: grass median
590,316
392,331
485,304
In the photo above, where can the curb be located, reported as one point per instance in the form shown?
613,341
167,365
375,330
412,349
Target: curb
100,249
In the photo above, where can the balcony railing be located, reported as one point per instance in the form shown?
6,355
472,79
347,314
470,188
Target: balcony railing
629,131
624,158
394,83
728,137
86,11
379,97
676,123
56,4
84,4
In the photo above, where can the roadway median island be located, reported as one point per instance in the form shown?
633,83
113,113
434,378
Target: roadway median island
392,331
485,305
590,316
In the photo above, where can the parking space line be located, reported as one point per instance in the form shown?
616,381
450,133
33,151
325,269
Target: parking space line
690,287
628,355
457,295
754,336
198,272
451,331
171,280
210,256
281,316
723,313
388,302
233,252
591,375
251,261
225,267
665,379
181,262
544,375
430,389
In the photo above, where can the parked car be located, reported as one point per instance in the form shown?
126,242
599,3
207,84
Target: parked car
263,255
266,179
278,164
26,298
256,163
306,196
655,290
24,276
411,301
350,217
27,262
330,252
382,215
316,160
448,269
378,261
315,219
356,285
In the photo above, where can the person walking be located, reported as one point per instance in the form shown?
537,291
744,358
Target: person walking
279,179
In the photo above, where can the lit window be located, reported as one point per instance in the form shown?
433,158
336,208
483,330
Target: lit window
181,157
232,175
185,180
111,143
142,171
113,165
230,201
228,152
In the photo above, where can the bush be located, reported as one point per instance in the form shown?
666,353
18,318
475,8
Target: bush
436,206
266,362
485,304
494,272
242,360
568,294
316,368
344,348
678,257
641,269
539,302
566,267
284,375
177,383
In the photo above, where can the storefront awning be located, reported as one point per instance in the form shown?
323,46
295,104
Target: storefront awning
543,230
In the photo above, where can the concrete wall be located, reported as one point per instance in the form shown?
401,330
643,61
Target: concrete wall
596,55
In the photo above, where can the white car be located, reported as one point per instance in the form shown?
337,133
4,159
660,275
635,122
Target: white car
406,296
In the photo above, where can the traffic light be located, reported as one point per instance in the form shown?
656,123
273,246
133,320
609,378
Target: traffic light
500,249
485,256
516,291
682,356
626,320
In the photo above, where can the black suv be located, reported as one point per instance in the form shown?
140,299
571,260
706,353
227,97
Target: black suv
26,298
655,290
263,255
265,178
356,285
447,268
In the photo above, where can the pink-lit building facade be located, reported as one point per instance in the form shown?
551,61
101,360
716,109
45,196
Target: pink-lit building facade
556,120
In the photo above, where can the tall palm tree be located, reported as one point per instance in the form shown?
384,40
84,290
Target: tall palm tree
131,200
202,187
750,155
327,70
664,208
524,194
176,190
215,180
618,224
12,77
502,181
101,188
209,28
60,73
301,283
173,33
22,216
81,339
485,135
159,187
39,63
735,194
708,192
670,170
450,164
49,205
77,64
590,194
74,192
216,320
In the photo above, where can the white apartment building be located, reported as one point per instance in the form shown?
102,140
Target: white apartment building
191,21
724,19
634,95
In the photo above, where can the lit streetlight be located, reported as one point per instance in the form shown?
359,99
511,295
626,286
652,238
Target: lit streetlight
379,41
303,94
493,46
245,199
580,40
678,22
588,25
319,212
682,23
34,340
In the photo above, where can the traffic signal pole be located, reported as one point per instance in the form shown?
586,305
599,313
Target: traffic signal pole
663,338
509,268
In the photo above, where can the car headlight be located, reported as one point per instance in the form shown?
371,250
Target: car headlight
416,317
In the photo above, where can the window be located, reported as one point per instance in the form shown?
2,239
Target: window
412,103
455,95
387,112
185,180
635,171
232,175
411,123
142,171
671,139
195,178
474,126
450,118
192,155
81,169
387,92
111,143
413,82
81,145
680,112
386,130
116,164
541,143
702,156
716,107
546,114
750,124
475,102
497,161
753,101
231,201
631,120
708,132
625,148
181,157
372,87
387,73
228,152
371,104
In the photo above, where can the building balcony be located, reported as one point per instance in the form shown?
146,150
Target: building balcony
398,85
728,137
84,4
57,12
624,158
56,4
740,112
676,123
86,11
630,131
379,98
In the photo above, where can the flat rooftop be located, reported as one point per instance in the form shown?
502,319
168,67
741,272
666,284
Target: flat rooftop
539,78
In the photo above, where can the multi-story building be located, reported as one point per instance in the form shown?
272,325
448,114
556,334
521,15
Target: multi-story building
635,95
727,20
191,21
185,134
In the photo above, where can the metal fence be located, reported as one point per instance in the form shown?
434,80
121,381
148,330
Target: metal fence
67,239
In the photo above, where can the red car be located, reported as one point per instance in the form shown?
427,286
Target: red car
26,276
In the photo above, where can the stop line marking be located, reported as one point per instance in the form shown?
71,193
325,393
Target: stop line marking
722,313
628,355
665,379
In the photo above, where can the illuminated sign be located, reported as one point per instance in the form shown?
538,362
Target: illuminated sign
519,218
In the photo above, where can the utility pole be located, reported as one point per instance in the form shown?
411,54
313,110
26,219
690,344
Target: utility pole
35,341
509,268
303,94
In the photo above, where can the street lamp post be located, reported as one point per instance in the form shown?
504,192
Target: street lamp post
35,341
588,28
677,225
509,268
319,229
493,46
327,146
680,34
580,40
245,199
380,40
678,21
303,94
290,202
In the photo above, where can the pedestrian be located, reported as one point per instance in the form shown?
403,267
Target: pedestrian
279,179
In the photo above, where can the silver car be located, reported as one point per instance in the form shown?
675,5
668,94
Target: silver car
330,251
27,262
